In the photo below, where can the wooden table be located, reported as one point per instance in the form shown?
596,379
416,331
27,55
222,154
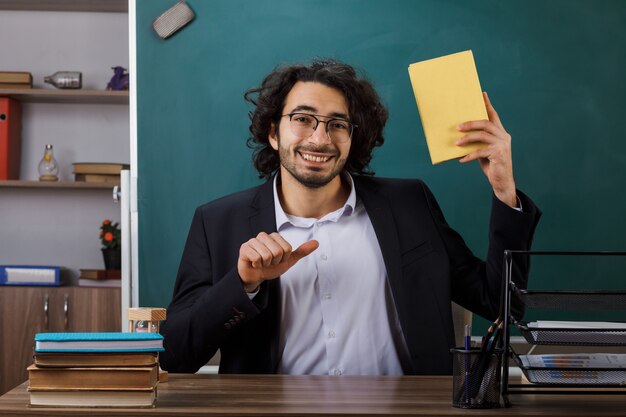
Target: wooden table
279,395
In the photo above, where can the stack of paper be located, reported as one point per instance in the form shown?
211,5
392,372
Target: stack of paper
576,368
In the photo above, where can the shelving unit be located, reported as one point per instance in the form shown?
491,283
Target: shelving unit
562,378
41,95
56,223
57,184
111,6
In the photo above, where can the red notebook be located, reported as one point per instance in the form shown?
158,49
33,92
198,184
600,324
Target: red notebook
10,133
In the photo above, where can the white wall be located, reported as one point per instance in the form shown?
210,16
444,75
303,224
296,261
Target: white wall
49,226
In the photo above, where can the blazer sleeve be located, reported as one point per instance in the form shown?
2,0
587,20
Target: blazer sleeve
477,285
207,305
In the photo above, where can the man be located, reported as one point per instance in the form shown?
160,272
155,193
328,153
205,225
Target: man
325,269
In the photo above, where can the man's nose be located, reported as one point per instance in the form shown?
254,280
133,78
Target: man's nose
319,134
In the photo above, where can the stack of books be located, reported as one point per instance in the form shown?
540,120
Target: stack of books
16,79
95,370
100,278
108,172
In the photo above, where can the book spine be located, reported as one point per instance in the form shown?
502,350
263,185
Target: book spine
10,138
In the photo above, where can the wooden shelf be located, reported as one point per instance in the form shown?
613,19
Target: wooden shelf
40,95
112,6
57,184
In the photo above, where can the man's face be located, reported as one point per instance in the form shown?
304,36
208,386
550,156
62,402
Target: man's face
314,161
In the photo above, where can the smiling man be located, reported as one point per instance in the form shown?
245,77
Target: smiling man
326,269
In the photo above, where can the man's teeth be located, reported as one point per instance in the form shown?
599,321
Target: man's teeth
315,158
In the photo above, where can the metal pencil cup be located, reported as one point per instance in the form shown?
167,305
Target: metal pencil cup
476,378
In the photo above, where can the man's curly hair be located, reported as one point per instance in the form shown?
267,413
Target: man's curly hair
365,109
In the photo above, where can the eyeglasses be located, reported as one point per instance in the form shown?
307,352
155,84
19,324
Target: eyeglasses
304,124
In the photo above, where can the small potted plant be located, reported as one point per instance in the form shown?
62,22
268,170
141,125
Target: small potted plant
110,236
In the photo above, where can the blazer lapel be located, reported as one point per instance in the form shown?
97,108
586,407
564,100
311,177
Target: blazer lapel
263,219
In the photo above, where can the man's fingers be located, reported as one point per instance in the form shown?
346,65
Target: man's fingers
277,251
491,111
481,153
478,125
263,251
303,250
477,137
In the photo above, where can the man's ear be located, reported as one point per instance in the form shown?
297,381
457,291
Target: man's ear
273,137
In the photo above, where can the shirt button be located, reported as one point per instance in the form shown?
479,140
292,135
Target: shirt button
337,372
326,297
323,256
331,334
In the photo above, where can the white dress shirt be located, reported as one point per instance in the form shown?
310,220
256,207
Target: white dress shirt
338,315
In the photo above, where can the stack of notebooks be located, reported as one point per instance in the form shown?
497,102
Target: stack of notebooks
95,370
108,172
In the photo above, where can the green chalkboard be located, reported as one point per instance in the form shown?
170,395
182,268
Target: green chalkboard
554,70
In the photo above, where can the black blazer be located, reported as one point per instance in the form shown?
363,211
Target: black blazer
428,265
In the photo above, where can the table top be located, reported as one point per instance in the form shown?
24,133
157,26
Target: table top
288,395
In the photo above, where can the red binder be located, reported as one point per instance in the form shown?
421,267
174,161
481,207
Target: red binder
10,134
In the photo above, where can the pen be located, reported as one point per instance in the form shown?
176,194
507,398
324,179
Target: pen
467,342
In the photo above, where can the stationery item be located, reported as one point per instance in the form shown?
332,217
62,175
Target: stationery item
110,178
465,393
95,360
30,275
99,398
108,283
17,77
98,342
15,85
99,167
96,274
173,19
10,138
594,332
93,378
448,93
467,341
480,367
575,368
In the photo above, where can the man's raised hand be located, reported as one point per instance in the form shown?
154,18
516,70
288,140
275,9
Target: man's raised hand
267,257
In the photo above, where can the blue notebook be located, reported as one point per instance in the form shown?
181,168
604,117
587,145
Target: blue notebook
107,342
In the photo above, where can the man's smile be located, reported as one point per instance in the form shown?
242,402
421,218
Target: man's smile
310,157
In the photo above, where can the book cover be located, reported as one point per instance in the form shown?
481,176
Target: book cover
93,378
30,275
448,93
10,138
99,167
98,342
100,273
16,77
95,360
100,398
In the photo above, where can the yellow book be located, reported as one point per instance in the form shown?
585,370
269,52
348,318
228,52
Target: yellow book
448,93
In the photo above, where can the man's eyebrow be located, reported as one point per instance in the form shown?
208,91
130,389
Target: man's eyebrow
305,107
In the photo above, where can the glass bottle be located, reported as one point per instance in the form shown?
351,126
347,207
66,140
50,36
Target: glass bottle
48,166
65,79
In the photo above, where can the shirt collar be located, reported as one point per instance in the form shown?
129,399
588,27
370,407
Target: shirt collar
283,218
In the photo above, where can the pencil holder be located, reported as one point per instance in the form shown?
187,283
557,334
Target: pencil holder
476,378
